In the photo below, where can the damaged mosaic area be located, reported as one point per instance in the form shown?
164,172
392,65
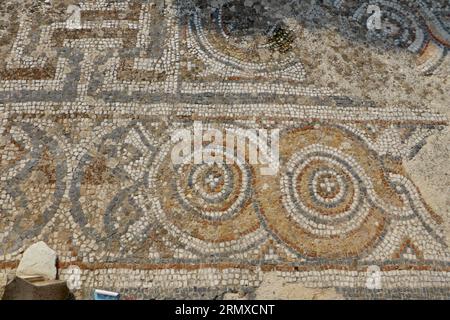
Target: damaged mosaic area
92,91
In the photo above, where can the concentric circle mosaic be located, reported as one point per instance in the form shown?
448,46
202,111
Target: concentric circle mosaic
207,207
321,204
215,191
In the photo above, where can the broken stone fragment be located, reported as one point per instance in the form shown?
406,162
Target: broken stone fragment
36,288
38,260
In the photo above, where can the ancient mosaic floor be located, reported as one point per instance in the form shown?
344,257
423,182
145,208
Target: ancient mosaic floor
91,92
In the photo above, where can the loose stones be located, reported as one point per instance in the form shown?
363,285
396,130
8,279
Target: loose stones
38,260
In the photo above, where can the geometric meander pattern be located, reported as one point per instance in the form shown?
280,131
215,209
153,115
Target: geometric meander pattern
88,106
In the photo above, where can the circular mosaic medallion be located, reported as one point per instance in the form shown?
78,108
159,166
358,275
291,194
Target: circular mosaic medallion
246,38
252,26
320,203
392,24
214,191
206,206
324,191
